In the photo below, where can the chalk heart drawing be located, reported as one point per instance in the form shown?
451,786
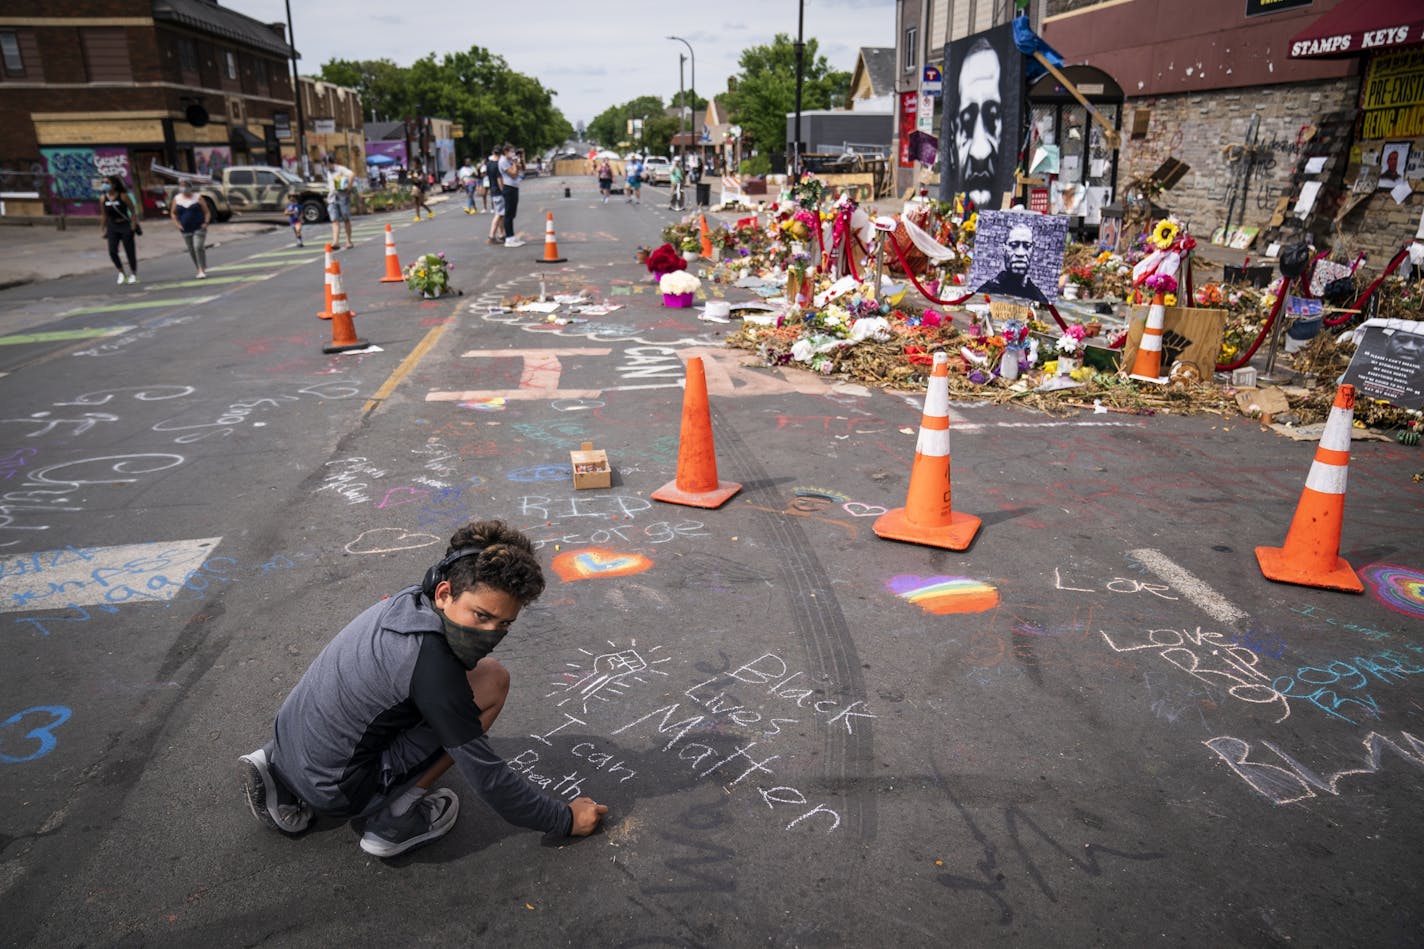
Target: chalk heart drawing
1397,587
395,497
945,595
385,540
594,563
857,509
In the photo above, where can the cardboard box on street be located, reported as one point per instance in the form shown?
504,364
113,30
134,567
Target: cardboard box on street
590,467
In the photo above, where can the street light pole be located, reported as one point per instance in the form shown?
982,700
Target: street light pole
693,57
682,91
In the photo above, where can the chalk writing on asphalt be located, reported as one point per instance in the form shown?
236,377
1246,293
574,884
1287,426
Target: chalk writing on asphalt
1298,782
25,735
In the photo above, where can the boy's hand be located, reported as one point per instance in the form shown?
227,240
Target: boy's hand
587,814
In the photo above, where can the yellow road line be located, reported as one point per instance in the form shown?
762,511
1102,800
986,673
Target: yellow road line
407,364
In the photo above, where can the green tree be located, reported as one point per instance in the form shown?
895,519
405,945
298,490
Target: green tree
697,102
610,127
475,88
766,89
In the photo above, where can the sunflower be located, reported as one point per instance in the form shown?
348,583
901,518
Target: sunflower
1164,234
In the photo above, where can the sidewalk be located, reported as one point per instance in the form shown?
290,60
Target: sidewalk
39,252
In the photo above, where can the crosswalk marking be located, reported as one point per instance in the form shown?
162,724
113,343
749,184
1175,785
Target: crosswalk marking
138,305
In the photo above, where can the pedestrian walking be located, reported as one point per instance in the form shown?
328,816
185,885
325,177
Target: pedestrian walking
496,192
119,224
294,216
191,216
404,691
418,186
634,181
339,181
605,179
676,199
467,179
511,174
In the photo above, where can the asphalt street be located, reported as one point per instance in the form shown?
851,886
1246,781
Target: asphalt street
1099,725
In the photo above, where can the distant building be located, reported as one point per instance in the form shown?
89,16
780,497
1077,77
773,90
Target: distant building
96,87
872,84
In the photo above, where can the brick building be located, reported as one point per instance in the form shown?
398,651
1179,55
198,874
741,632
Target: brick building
1215,86
95,87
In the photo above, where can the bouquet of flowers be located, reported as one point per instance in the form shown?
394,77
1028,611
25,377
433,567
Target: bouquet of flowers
678,282
1070,344
665,260
428,274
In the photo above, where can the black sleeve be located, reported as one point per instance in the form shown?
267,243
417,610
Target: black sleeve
441,694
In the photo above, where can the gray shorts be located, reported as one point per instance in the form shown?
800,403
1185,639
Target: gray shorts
338,207
497,202
404,761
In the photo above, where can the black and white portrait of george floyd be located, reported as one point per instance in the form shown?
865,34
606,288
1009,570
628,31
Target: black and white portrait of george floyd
983,92
1018,254
1389,363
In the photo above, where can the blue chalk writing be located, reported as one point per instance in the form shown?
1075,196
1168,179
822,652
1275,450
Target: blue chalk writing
44,734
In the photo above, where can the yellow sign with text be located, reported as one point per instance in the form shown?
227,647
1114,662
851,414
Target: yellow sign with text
1393,96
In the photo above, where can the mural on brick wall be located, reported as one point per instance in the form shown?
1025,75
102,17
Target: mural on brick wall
211,160
74,172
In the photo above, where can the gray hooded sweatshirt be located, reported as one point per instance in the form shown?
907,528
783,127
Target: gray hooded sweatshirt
387,673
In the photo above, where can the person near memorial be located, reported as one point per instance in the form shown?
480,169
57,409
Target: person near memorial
511,175
403,692
339,182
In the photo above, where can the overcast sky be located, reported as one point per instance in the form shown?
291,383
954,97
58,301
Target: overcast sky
592,54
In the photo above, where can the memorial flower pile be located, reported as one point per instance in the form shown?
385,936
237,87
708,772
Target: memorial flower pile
428,274
665,260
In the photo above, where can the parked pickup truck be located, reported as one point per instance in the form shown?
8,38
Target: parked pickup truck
254,189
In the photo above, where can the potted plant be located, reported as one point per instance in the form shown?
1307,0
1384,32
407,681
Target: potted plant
678,288
1069,349
428,275
665,259
691,248
1080,282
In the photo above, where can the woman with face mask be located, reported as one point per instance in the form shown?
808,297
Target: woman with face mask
119,223
191,216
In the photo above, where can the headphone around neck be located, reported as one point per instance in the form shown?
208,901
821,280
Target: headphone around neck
438,572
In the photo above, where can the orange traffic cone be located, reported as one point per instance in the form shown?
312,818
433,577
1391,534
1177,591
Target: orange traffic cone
325,313
696,484
1147,367
393,267
1311,555
928,517
551,246
343,327
706,238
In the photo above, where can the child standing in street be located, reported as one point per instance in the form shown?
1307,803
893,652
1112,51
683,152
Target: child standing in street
294,217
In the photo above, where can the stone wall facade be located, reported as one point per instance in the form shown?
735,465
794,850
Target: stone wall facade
1198,128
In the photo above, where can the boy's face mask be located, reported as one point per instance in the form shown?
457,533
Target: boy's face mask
470,644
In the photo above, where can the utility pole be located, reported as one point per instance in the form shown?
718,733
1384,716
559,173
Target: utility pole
304,163
800,70
681,113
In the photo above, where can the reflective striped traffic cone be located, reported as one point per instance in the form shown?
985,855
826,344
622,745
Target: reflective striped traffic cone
1311,554
706,237
325,313
551,246
1147,367
928,517
696,484
393,267
343,326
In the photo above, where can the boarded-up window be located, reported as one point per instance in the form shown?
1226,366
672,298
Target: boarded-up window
19,55
106,54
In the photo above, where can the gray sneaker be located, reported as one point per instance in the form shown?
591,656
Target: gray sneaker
269,799
428,819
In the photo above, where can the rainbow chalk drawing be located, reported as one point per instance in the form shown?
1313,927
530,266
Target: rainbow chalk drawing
1397,587
594,563
945,595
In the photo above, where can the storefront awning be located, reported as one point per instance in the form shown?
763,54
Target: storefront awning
1361,26
241,138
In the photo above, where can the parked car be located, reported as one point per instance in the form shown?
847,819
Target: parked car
657,169
254,189
450,181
